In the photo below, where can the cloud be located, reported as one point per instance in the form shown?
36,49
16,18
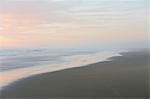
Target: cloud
51,21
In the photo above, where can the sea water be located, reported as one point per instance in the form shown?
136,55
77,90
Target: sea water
16,64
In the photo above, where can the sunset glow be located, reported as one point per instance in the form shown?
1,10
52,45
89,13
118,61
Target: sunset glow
70,23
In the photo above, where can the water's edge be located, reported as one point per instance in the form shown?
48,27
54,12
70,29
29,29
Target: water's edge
9,77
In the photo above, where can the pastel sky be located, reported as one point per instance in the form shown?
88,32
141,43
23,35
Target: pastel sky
73,23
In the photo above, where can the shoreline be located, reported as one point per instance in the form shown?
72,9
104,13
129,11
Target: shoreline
8,77
125,76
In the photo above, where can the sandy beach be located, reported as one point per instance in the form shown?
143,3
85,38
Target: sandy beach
124,77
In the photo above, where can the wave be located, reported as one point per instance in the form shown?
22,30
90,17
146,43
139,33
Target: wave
69,61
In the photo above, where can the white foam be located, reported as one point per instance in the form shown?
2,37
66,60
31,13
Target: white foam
8,77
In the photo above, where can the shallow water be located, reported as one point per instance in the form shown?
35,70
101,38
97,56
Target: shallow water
17,64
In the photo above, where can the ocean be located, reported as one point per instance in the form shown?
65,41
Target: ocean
16,64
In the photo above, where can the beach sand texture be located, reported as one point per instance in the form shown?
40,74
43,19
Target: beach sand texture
125,76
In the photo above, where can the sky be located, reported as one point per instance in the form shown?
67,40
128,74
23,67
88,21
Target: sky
73,23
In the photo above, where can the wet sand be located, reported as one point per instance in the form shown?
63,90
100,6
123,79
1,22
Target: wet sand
124,77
